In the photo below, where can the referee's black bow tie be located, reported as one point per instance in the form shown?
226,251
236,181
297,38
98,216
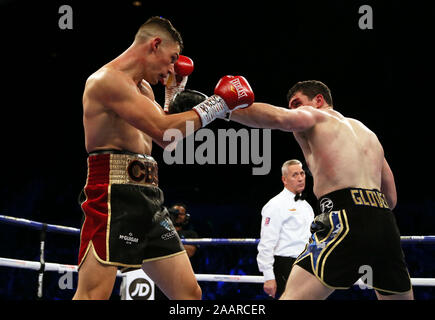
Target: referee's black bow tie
300,196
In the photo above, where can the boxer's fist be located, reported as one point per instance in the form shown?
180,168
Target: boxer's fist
231,93
236,92
175,83
184,66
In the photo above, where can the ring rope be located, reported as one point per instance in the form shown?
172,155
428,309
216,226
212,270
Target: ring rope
202,241
61,268
43,266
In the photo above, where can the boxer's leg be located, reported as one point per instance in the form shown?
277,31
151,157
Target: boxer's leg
302,285
174,276
400,296
96,280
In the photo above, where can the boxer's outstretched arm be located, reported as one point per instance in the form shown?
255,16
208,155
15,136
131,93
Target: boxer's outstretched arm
263,115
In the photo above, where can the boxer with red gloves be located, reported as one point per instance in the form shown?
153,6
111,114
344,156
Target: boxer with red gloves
125,217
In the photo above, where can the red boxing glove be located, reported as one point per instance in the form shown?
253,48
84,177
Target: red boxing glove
231,93
175,83
236,92
184,66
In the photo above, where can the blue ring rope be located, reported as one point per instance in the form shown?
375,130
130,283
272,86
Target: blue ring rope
206,241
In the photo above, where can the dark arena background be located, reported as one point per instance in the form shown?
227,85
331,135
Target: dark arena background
382,76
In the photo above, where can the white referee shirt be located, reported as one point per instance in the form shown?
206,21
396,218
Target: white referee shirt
285,229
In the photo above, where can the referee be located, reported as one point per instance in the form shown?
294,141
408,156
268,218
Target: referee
285,229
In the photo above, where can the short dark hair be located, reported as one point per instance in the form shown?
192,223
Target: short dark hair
185,100
311,88
159,24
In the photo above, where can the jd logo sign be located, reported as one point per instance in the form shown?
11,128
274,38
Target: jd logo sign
140,289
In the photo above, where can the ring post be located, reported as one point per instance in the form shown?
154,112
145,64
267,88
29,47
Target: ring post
41,270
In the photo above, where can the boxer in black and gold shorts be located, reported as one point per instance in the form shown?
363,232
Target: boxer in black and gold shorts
354,230
125,222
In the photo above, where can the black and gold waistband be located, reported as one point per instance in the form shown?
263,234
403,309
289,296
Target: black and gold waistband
344,198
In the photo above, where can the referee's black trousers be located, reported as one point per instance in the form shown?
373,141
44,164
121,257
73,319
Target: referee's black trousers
281,268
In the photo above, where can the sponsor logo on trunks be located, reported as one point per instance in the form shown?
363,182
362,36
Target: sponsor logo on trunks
372,198
168,235
165,224
128,239
138,172
168,226
326,205
267,221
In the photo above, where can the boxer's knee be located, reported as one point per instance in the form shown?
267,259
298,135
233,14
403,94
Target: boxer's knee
95,294
196,293
192,292
382,295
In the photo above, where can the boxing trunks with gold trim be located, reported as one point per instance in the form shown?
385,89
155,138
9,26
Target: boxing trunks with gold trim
125,221
356,236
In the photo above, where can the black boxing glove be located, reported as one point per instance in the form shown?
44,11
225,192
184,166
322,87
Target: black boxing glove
321,226
185,100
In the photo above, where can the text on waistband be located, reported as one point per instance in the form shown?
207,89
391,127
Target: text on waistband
371,198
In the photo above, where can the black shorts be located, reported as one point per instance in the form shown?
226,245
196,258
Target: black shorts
125,221
356,236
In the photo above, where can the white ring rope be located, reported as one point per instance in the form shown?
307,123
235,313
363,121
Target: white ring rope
43,266
61,268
